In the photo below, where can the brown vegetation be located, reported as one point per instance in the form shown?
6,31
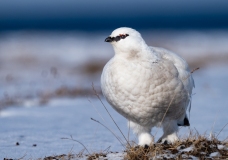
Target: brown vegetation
198,146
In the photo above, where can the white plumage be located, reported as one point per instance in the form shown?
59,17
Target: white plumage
147,85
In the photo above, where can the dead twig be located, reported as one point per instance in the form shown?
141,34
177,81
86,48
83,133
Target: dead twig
175,94
109,113
109,130
104,121
195,70
96,109
107,149
22,157
71,138
167,108
221,130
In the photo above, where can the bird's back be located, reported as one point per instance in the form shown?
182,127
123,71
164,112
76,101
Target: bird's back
181,65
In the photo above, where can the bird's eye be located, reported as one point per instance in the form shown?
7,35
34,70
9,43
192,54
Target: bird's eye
117,38
121,36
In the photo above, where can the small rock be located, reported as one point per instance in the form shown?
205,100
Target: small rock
17,143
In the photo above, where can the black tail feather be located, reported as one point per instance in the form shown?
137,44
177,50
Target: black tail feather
185,122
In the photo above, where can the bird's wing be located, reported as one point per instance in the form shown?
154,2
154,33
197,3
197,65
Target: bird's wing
181,65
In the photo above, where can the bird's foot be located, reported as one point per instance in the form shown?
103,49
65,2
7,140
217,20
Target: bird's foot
169,139
145,148
163,141
145,139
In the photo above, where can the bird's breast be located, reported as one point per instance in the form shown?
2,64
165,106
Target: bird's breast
141,91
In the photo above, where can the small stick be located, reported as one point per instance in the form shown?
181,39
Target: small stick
221,130
109,114
128,134
109,130
71,150
168,108
78,142
212,128
96,109
103,120
22,157
175,95
197,133
107,149
195,69
225,139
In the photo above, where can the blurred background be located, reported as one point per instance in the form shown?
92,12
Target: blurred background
57,47
54,50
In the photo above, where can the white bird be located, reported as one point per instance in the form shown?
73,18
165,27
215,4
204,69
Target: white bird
147,85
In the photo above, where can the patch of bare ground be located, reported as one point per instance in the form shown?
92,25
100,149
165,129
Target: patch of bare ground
93,67
45,96
94,156
8,101
68,156
65,91
202,61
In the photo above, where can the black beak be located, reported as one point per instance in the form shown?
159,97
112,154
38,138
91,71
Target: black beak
108,39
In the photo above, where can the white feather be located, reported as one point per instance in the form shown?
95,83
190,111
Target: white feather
147,85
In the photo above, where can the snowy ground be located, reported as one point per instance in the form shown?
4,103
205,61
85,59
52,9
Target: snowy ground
46,125
30,64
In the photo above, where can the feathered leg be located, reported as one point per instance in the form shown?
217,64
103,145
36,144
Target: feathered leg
170,129
143,133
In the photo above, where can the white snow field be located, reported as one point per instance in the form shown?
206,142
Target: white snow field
46,125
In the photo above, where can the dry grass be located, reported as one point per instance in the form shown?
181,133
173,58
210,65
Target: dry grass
195,145
95,156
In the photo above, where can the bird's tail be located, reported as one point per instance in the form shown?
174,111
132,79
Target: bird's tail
184,122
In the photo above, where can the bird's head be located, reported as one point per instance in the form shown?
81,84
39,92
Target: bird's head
126,40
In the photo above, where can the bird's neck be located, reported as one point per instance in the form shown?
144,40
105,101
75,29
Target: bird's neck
140,53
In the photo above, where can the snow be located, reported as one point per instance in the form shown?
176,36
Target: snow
46,125
215,154
29,122
187,149
116,156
